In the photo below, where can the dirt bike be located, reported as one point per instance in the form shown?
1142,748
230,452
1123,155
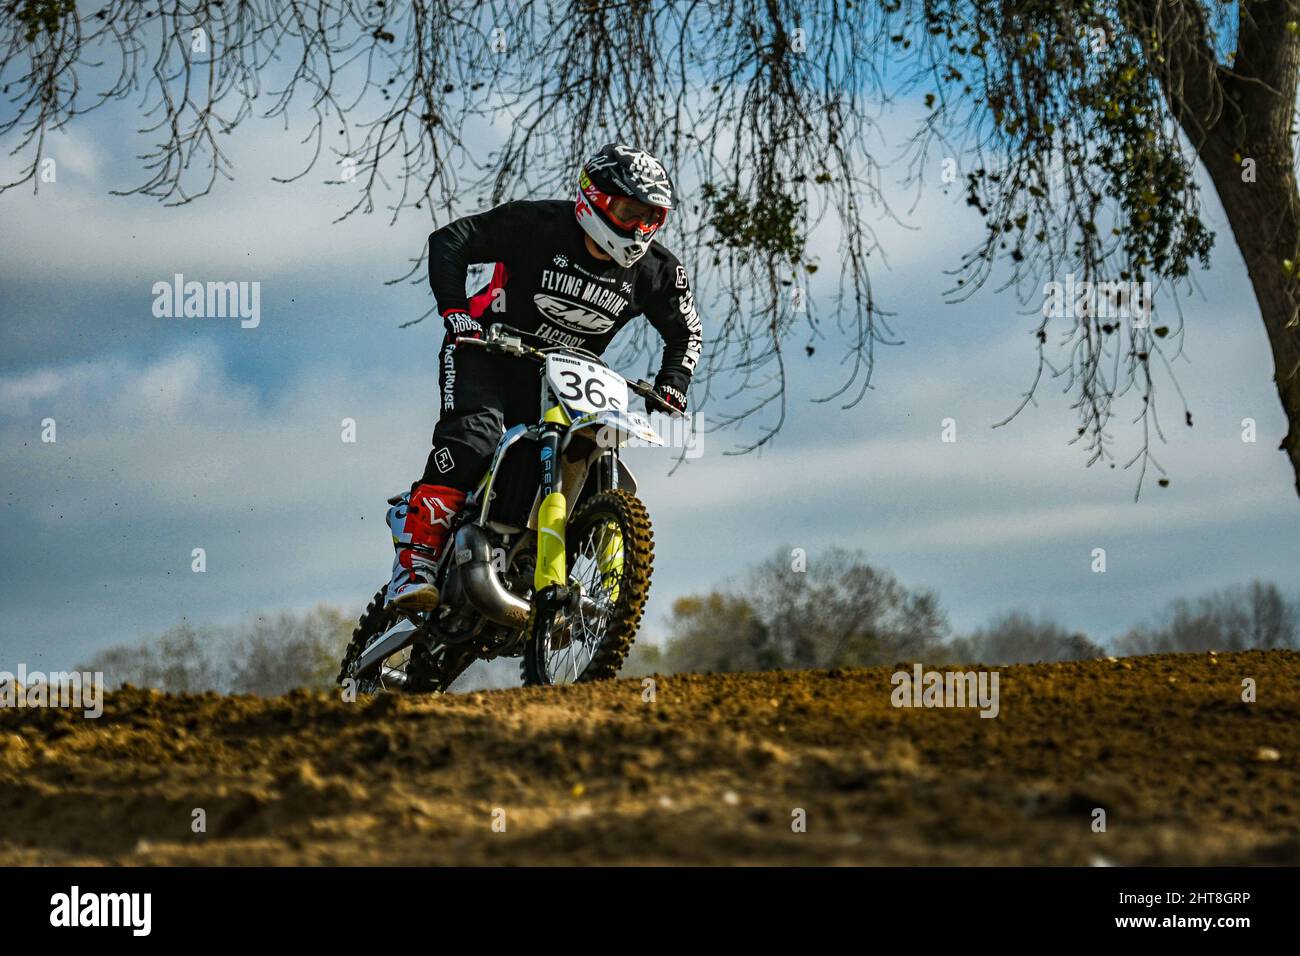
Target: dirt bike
550,558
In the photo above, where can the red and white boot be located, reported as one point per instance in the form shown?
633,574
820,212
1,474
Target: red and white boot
420,523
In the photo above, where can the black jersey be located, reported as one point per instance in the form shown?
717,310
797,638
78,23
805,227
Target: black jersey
547,283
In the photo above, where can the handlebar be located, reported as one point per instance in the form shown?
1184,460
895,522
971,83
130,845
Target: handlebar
505,340
503,344
646,390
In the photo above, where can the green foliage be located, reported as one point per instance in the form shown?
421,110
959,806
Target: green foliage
1077,109
273,655
40,15
1076,125
771,226
1146,173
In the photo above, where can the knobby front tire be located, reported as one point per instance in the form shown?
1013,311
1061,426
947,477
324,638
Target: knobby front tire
580,650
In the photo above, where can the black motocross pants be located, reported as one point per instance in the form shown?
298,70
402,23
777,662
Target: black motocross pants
482,395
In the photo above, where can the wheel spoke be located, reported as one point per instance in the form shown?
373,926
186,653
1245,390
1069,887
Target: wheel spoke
601,545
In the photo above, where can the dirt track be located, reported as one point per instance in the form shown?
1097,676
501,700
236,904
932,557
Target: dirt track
709,773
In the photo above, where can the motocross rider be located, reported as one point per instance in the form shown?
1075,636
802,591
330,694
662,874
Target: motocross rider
573,274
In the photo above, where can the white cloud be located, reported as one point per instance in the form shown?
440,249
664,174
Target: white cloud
180,430
155,458
251,229
76,152
20,394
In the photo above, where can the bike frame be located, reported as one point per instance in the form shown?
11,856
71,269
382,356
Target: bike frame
555,430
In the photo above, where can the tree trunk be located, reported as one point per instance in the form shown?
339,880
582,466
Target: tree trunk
1239,113
1265,219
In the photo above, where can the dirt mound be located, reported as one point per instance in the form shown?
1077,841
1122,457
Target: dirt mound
716,769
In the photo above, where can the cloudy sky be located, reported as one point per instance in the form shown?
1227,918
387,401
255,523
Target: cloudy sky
176,434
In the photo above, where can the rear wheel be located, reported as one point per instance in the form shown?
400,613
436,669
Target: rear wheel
413,670
610,552
374,621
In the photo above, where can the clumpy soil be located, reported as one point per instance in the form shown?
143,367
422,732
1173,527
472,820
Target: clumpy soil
762,768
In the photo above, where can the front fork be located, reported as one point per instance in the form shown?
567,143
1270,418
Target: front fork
550,578
551,572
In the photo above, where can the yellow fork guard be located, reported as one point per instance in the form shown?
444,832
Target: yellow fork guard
610,559
552,515
551,566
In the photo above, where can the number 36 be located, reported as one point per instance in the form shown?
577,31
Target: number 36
592,389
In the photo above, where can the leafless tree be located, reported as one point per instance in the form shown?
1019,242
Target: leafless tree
1234,619
181,660
834,611
267,655
1015,637
277,653
1075,128
719,632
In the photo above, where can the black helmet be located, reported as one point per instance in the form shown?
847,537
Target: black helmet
624,195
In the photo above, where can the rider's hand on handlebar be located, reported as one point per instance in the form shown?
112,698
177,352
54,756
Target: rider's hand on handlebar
669,396
460,324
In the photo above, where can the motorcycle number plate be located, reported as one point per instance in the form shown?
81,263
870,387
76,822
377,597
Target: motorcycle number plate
585,386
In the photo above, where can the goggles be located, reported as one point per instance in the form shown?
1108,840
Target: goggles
624,211
632,213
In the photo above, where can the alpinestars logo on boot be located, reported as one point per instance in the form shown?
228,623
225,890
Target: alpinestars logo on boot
439,513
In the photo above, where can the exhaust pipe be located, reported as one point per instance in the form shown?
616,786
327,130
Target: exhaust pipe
481,582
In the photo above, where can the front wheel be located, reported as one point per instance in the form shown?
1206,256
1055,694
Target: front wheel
610,551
